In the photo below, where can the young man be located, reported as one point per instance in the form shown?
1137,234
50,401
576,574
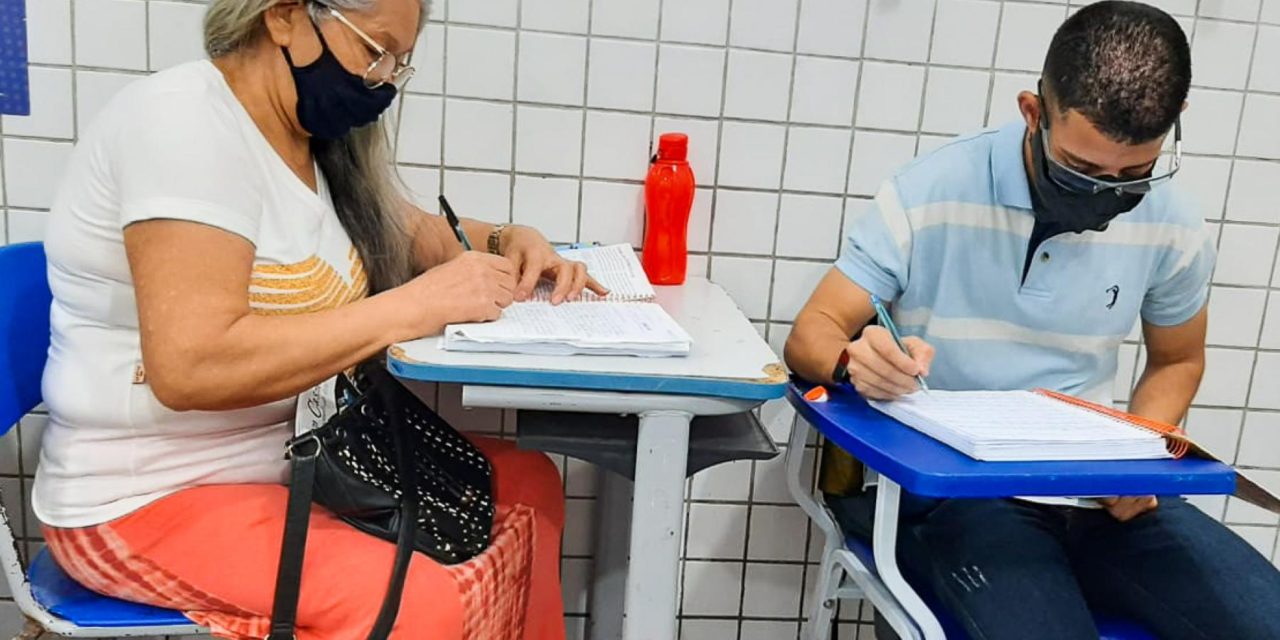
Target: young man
1022,257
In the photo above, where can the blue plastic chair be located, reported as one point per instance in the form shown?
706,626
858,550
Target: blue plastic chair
50,599
851,567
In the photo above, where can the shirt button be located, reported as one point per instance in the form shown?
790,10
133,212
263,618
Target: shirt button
1044,257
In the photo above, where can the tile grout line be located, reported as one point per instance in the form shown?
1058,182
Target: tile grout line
1221,230
444,94
582,144
991,71
782,171
719,146
686,506
924,84
724,98
773,282
1262,320
853,125
515,115
703,118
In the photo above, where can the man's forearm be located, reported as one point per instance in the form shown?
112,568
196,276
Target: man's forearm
814,346
1165,390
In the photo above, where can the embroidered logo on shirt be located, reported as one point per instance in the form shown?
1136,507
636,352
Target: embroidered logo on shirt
1115,295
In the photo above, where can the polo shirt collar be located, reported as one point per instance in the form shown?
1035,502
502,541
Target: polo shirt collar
1008,171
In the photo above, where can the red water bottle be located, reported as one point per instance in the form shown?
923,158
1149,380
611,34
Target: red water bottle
668,198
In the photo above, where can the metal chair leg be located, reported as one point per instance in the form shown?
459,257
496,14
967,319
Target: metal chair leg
823,608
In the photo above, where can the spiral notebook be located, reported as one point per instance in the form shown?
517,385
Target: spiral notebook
621,323
1007,426
1011,426
614,266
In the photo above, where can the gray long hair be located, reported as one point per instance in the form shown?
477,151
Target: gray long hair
358,167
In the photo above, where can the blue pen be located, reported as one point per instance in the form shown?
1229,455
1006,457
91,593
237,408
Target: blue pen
887,322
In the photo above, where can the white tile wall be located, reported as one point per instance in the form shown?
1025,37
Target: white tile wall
554,15
705,22
480,63
545,111
964,32
824,90
757,86
551,68
900,30
1025,32
689,80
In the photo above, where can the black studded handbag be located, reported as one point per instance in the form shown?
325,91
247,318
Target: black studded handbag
393,468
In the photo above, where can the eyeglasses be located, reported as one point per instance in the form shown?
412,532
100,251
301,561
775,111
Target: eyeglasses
1073,180
385,68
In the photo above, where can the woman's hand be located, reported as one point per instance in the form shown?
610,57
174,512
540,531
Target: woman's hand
534,259
472,287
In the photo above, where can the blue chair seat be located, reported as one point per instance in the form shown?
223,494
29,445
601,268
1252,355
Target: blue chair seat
65,598
1108,628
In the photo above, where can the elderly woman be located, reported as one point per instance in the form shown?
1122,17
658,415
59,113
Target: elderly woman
229,235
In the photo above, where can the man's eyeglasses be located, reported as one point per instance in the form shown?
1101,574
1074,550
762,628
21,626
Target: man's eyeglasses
385,68
1073,180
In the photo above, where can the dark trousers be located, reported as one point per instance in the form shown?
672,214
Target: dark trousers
1009,569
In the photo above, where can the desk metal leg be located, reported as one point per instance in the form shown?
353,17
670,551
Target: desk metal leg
657,518
613,526
884,545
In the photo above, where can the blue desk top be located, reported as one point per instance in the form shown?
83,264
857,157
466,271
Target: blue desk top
927,467
728,359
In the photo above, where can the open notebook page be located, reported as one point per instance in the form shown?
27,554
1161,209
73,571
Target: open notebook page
614,266
1021,425
642,328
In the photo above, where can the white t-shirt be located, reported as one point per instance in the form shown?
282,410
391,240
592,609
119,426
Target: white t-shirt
175,145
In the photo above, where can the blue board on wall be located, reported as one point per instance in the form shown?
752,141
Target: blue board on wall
14,98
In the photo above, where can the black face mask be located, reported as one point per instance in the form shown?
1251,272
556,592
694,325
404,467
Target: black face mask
1071,210
331,100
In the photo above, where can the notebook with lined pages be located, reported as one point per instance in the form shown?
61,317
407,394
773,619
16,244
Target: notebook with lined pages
1008,426
614,266
625,322
1039,425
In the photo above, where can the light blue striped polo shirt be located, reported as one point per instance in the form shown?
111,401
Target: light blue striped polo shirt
946,239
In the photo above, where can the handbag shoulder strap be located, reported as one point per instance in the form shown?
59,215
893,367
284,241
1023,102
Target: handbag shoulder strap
297,519
284,610
408,528
303,453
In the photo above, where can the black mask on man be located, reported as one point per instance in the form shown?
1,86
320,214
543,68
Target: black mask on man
331,100
1072,210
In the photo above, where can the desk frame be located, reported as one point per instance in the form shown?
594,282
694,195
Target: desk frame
645,608
883,583
729,369
889,595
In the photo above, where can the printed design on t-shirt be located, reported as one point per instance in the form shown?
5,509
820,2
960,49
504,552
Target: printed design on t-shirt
1115,295
306,287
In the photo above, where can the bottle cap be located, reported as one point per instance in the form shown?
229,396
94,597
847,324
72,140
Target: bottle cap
673,146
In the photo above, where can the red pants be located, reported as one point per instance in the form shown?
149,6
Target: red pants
212,553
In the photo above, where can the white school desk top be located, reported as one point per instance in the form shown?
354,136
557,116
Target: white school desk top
729,359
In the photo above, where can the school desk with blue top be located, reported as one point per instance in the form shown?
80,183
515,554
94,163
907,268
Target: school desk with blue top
908,459
729,371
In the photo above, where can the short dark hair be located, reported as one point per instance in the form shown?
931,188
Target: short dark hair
1125,66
